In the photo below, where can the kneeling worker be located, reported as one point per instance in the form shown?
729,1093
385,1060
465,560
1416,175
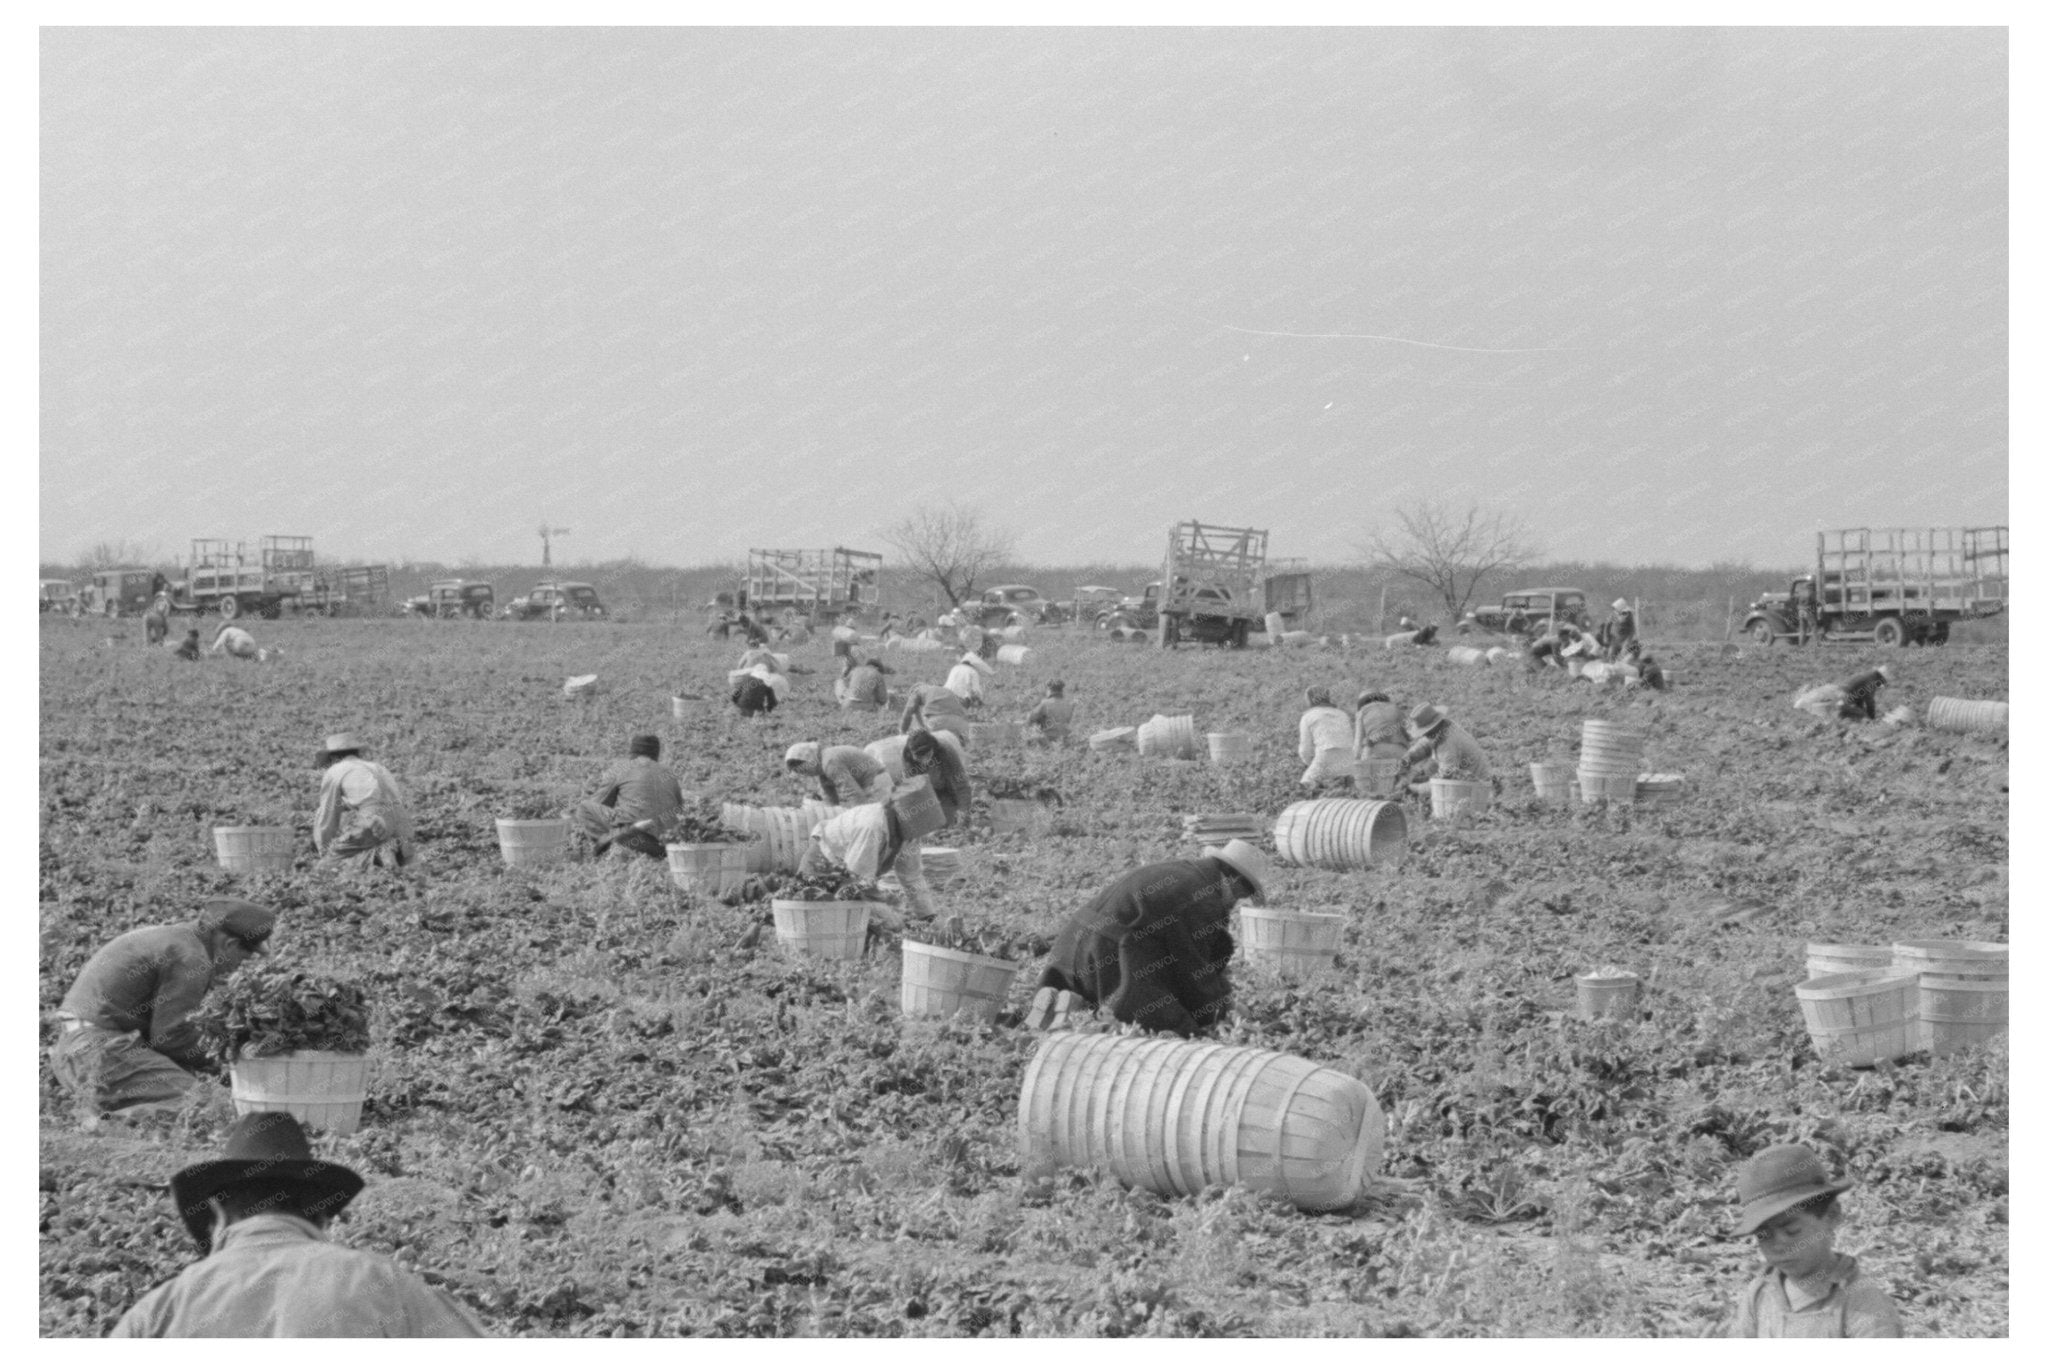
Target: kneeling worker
1153,947
1442,749
867,841
127,1036
639,803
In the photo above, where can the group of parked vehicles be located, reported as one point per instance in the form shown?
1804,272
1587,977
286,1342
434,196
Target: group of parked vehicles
459,598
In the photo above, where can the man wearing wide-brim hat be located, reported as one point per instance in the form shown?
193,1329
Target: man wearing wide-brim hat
260,1215
362,820
1442,748
126,1039
1154,946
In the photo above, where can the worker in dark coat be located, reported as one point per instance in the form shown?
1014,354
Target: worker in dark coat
1619,630
1648,671
1154,946
753,696
1859,693
189,650
639,804
126,1035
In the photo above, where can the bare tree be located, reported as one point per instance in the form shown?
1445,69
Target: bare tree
1448,551
949,546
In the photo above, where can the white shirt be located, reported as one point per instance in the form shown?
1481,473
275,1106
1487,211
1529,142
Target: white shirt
235,640
964,682
856,839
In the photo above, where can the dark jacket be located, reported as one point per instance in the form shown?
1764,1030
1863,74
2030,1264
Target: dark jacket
148,981
643,789
948,777
1153,947
753,696
1859,695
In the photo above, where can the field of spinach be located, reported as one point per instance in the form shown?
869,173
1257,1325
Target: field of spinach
593,1112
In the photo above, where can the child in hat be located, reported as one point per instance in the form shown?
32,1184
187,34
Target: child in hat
1807,1290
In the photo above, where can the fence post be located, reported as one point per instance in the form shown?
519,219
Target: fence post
1728,630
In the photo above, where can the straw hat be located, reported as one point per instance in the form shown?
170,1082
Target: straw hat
1777,1178
270,1147
1246,860
343,742
1621,603
1884,670
1423,719
800,755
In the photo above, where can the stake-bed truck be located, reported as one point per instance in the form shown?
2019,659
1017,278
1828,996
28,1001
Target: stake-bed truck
1888,587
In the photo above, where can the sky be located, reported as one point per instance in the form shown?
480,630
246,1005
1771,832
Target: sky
1673,296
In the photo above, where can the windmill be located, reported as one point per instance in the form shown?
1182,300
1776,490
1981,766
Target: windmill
547,536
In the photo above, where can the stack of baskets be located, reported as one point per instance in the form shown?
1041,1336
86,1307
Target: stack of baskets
1216,830
1341,835
1610,760
1167,736
1964,990
1865,1004
778,831
1969,717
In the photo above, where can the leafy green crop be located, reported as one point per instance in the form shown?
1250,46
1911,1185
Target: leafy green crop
268,1012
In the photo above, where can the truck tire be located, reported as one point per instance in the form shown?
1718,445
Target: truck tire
230,607
1939,635
1890,633
1240,634
1762,635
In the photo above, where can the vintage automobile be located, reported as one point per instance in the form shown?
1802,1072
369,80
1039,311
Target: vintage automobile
1529,610
453,597
116,592
557,601
55,594
1014,603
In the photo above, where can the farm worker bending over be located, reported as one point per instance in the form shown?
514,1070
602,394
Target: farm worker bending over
889,752
156,627
235,641
753,696
1442,749
260,1215
1620,630
127,1035
964,681
1153,947
758,657
362,819
846,775
868,841
934,707
1648,672
1550,650
1380,732
938,758
639,803
861,685
1327,743
1859,693
189,650
1053,717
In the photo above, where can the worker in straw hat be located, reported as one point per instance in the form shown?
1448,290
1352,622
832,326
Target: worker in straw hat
260,1213
1618,630
1807,1290
638,806
126,1037
1153,947
1441,748
362,820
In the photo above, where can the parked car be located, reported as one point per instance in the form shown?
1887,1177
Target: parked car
1093,602
557,601
1012,603
55,594
1529,610
453,597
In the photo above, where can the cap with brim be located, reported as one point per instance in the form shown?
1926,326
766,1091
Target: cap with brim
247,920
343,742
1621,603
799,754
1777,1179
269,1147
1246,860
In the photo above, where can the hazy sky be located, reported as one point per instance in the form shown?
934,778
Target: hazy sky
1674,295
